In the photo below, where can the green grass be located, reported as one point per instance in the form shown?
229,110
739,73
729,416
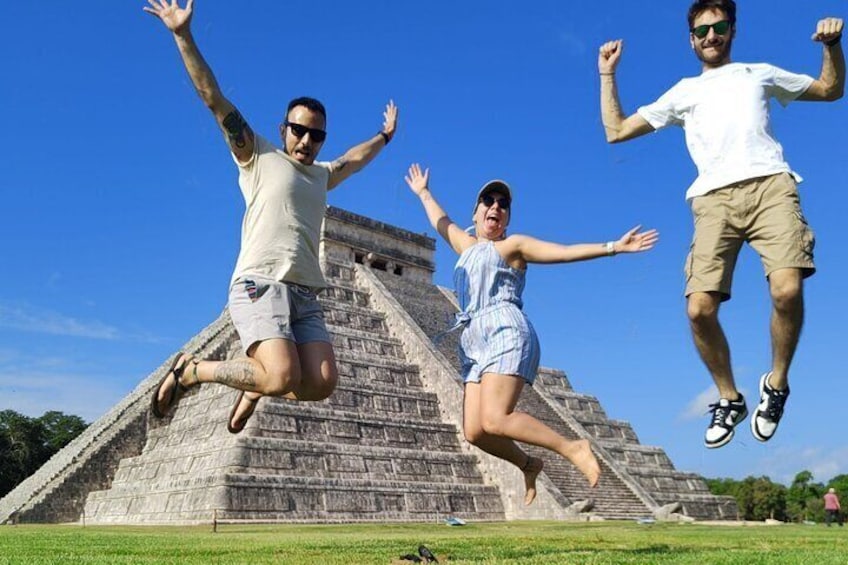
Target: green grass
509,543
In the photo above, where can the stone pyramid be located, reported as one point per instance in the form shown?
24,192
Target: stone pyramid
386,446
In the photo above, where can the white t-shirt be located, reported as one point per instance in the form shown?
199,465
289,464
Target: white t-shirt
285,203
725,114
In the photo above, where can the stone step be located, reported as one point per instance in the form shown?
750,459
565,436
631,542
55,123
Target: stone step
355,317
298,458
317,422
366,371
313,421
345,295
295,499
366,343
382,399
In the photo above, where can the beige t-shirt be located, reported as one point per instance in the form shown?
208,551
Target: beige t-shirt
282,222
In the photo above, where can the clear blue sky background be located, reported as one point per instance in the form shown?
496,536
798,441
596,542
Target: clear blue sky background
121,212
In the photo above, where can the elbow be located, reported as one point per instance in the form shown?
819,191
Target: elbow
833,91
614,136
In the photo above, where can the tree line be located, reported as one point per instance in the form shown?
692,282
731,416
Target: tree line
27,443
758,498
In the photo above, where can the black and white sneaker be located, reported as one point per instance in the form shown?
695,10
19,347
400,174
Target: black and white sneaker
769,411
727,414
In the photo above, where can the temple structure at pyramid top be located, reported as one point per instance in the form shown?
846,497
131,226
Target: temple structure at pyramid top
386,446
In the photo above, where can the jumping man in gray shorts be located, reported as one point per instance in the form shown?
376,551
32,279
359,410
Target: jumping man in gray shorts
272,298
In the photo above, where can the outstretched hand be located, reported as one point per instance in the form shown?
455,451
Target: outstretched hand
609,55
828,29
416,179
635,241
390,117
174,17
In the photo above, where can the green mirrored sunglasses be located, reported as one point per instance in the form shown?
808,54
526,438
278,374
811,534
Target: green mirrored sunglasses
720,28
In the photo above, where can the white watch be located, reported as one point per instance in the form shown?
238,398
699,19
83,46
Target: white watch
610,247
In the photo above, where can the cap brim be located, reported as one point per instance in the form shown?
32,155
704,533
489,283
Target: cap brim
496,185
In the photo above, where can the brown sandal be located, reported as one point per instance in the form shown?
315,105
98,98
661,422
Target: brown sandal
242,422
176,372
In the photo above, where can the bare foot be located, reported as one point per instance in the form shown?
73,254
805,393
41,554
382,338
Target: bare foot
531,470
579,452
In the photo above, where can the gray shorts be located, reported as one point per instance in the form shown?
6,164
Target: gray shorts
266,309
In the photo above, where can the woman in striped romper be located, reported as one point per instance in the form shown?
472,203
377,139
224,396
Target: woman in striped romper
498,347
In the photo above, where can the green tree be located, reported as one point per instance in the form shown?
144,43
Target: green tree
60,429
769,500
800,492
27,443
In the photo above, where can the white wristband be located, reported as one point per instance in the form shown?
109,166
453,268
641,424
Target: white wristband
610,247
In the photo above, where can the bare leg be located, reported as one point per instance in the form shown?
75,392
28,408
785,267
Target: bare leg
498,397
501,447
317,379
702,309
787,316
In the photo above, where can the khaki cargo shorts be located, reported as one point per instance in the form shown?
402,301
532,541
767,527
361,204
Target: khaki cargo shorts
766,213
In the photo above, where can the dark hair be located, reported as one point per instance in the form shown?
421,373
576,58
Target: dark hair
701,6
309,103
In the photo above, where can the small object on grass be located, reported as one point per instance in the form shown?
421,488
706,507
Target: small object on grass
646,521
454,521
427,554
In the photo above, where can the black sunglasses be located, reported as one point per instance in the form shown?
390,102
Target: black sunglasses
317,135
488,200
720,28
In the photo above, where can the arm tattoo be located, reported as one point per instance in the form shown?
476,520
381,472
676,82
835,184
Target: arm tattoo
237,374
235,127
340,164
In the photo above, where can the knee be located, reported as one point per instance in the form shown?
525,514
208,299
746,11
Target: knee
701,308
473,434
493,424
280,379
324,387
786,293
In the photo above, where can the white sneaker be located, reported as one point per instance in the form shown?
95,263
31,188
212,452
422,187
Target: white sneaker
769,411
727,414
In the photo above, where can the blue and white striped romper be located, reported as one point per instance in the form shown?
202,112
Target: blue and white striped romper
498,337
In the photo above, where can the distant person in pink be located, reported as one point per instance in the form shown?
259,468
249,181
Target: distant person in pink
832,508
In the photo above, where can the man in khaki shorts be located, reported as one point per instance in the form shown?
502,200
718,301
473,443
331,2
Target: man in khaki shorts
745,192
272,299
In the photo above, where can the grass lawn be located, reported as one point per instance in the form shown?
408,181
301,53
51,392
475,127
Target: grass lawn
510,543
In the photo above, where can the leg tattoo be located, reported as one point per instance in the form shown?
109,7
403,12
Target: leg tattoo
237,374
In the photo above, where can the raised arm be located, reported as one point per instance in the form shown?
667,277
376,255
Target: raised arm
616,126
532,250
238,134
360,155
831,83
452,233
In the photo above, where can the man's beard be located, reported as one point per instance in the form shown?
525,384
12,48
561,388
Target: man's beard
719,58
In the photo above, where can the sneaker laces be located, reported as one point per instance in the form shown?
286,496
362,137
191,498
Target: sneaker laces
774,406
720,414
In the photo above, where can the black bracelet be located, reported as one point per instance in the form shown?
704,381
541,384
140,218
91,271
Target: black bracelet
834,41
385,136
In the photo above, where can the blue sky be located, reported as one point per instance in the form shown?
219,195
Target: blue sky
121,212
